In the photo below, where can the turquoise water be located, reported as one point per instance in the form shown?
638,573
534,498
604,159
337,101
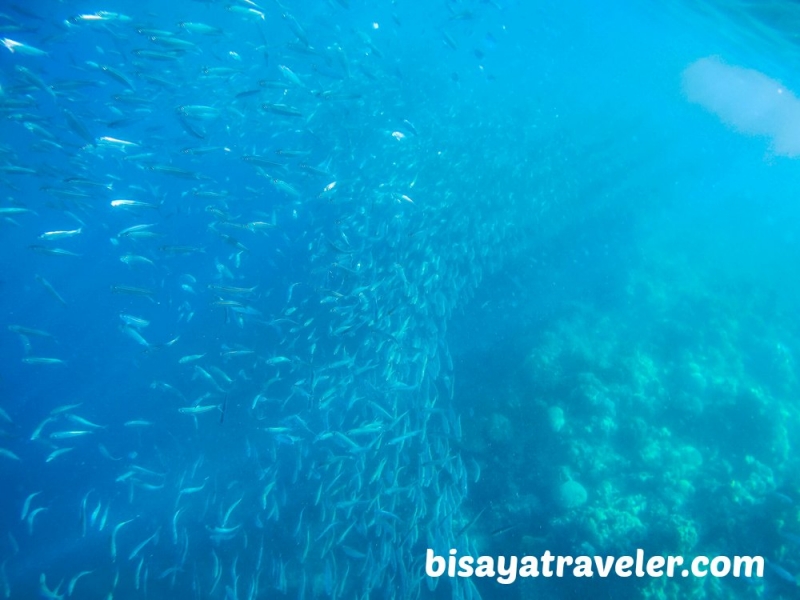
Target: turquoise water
293,293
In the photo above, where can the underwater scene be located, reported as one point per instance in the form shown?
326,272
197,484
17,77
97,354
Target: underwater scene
295,295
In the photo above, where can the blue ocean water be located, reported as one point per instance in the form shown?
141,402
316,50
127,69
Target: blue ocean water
294,292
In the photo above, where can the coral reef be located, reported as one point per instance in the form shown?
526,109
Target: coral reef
678,436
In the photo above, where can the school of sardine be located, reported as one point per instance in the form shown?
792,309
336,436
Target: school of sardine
291,218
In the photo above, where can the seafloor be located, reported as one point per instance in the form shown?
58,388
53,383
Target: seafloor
652,406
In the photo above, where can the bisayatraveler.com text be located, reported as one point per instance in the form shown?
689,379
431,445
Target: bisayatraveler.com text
506,569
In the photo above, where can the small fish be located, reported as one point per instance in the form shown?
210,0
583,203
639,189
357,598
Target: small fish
46,592
52,251
110,141
199,409
176,172
290,76
64,408
200,28
20,48
225,289
139,548
99,16
114,537
56,453
32,516
38,431
135,229
19,329
232,353
278,360
503,530
199,112
133,259
73,582
50,289
182,249
59,235
470,524
13,210
131,204
42,360
190,358
118,76
781,573
133,321
78,127
65,435
134,334
192,490
132,291
26,506
85,422
282,109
